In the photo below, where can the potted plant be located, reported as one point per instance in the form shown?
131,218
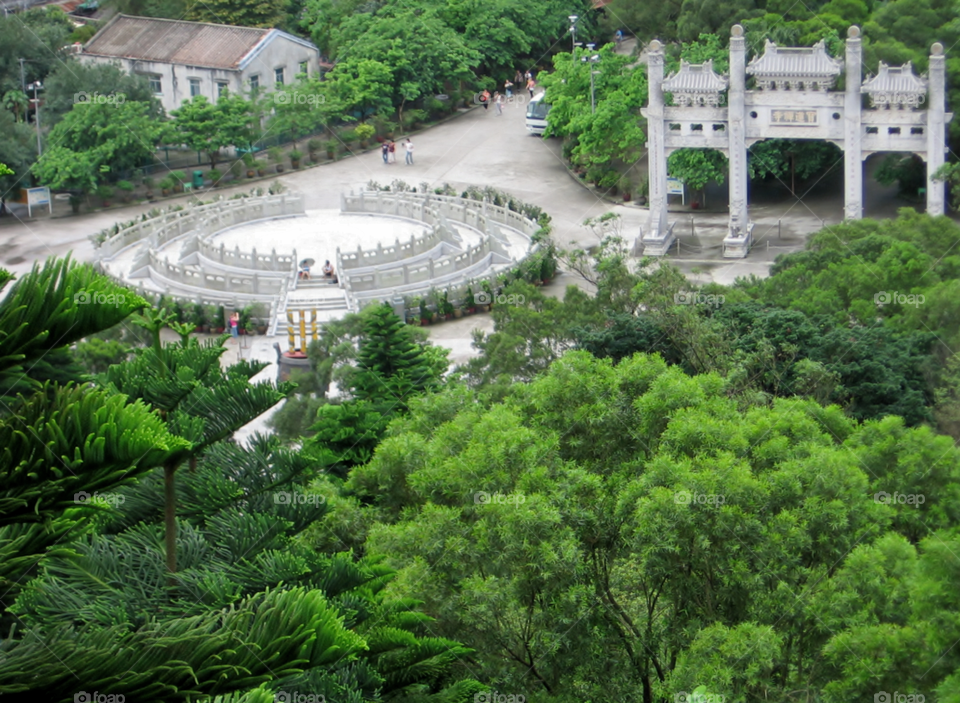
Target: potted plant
261,169
218,322
295,157
331,147
214,175
251,164
364,133
447,307
148,184
643,192
348,137
126,190
488,295
178,180
166,185
209,318
275,154
196,317
313,147
469,302
424,312
106,193
626,187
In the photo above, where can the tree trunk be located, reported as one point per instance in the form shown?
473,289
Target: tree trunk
170,520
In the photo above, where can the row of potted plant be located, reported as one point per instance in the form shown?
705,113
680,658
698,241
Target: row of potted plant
537,269
214,319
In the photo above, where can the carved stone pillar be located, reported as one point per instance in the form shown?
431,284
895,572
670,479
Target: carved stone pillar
852,153
736,112
656,153
936,129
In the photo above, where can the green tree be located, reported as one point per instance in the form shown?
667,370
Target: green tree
421,52
364,87
611,137
630,531
208,127
697,167
103,137
246,13
71,77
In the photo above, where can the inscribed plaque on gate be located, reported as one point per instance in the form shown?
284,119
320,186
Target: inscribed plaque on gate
794,118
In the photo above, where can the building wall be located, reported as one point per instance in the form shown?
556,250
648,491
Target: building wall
175,79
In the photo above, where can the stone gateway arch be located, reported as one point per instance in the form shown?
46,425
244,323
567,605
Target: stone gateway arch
792,99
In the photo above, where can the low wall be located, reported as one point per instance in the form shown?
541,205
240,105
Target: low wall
201,219
427,271
454,272
396,252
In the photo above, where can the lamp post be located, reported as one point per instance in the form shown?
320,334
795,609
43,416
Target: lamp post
35,86
595,59
573,33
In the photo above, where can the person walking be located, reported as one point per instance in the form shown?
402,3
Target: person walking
530,86
385,151
408,147
393,152
498,101
485,98
508,88
235,324
518,78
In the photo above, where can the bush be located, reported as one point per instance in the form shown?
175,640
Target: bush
178,176
313,146
296,155
349,136
105,192
275,153
364,131
166,183
125,186
214,175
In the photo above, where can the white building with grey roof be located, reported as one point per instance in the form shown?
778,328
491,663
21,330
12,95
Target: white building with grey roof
184,59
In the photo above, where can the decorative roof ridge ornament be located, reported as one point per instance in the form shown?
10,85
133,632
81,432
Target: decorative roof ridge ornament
895,87
696,84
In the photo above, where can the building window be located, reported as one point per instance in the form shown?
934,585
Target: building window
304,68
893,130
221,88
255,82
155,85
872,130
194,87
696,127
278,76
916,130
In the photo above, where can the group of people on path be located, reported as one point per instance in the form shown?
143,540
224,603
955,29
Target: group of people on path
497,98
389,151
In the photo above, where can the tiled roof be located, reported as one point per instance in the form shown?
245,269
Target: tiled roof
794,62
175,41
895,79
695,78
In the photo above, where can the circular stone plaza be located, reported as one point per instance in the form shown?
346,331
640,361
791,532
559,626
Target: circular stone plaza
249,253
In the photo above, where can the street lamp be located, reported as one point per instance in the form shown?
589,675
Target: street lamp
573,32
35,86
594,60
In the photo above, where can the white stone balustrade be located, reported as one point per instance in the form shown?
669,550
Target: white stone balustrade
202,219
